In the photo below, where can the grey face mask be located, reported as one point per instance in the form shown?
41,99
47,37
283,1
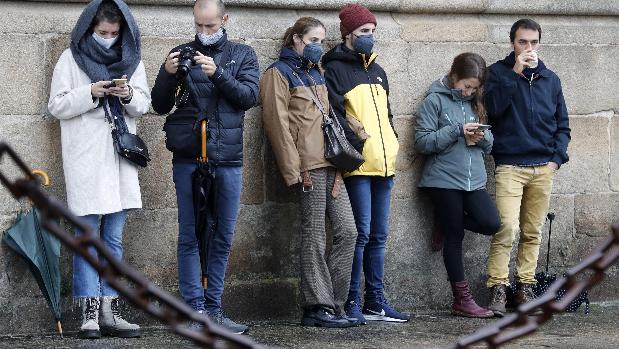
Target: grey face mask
208,40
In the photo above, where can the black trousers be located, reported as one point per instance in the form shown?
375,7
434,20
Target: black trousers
458,210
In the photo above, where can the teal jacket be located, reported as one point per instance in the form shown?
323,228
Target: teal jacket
450,164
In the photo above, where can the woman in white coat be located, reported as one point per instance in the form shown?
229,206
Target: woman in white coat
101,186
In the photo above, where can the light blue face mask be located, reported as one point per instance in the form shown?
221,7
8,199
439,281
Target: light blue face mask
105,42
208,40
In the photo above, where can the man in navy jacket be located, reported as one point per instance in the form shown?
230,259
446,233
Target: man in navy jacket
530,124
224,89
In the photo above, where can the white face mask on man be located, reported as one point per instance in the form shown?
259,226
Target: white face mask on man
105,42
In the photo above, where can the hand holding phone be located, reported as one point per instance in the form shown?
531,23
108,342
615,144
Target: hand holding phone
119,82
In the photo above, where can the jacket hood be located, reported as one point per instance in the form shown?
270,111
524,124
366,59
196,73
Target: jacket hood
344,54
441,86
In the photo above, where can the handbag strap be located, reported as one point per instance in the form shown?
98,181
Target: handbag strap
111,108
313,94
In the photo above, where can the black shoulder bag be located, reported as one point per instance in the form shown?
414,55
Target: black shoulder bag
338,149
182,131
127,145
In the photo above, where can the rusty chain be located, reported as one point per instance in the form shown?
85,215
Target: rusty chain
574,281
129,282
142,293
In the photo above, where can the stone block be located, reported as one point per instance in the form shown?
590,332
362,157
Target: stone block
442,28
594,213
36,140
247,300
156,183
150,239
557,30
561,241
549,7
266,242
253,165
22,66
587,170
586,75
614,153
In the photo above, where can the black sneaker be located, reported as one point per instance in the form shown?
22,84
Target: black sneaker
320,317
220,319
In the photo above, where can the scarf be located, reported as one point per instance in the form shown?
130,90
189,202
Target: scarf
98,62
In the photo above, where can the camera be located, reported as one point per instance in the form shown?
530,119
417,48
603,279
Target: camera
185,61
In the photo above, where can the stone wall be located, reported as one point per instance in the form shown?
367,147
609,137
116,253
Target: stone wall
416,41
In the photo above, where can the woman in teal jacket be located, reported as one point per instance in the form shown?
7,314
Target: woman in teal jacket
450,131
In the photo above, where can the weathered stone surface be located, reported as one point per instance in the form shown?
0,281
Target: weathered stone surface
21,64
587,170
441,28
266,242
37,141
156,183
253,164
614,153
416,42
594,213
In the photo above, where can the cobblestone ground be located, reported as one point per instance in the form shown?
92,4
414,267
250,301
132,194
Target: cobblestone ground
600,329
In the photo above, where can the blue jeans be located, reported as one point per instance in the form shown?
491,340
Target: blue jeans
370,198
228,181
86,281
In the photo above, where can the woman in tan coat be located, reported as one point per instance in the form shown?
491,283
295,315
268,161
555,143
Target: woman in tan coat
294,98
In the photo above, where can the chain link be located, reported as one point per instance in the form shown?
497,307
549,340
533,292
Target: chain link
129,282
574,281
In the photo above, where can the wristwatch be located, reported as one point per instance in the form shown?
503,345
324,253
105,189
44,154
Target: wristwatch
127,100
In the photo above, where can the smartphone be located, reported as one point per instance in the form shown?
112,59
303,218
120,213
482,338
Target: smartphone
119,82
483,127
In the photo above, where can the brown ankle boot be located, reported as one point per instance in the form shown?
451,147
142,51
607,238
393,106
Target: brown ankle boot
464,304
499,300
524,294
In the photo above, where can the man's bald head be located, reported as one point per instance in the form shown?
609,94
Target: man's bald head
205,4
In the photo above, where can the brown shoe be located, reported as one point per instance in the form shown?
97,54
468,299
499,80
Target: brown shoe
524,294
498,300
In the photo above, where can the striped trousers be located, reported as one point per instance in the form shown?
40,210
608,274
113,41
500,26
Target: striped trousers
325,279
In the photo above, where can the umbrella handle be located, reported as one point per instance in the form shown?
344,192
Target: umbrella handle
60,329
203,127
43,176
550,217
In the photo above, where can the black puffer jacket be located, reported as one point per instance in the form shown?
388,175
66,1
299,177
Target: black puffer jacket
237,82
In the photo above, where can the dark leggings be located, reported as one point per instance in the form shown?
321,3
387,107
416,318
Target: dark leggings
457,210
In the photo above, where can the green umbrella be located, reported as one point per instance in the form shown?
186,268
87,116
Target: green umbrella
42,252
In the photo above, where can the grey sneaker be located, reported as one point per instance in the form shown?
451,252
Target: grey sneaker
220,319
112,323
90,318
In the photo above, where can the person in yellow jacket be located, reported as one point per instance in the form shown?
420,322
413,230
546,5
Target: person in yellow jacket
294,95
359,90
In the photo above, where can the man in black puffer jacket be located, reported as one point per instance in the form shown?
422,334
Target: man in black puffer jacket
221,85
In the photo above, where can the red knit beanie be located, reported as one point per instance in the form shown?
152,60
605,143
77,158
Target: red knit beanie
352,16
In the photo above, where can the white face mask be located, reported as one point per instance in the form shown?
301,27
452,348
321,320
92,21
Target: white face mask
208,40
107,43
